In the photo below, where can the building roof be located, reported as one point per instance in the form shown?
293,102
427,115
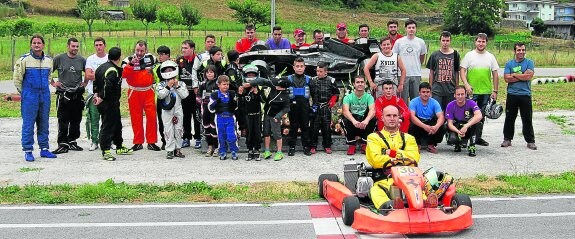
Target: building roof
564,5
530,1
559,23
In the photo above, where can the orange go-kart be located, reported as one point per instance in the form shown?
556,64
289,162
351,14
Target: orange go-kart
413,212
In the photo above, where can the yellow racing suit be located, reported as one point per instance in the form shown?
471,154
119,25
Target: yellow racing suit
399,147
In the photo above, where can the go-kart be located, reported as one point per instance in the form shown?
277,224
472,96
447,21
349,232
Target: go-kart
413,211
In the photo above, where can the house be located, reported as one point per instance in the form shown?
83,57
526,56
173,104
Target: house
565,12
120,3
562,29
527,10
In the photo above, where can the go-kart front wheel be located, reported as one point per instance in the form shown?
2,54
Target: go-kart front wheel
350,204
460,200
329,177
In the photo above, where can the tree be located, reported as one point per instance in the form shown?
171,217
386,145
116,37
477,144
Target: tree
89,11
191,16
251,12
145,11
471,16
538,26
170,15
22,27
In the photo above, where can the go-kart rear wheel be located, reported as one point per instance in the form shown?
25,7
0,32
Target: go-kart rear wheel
328,177
350,204
460,200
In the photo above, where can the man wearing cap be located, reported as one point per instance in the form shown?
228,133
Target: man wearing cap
244,44
341,33
299,35
277,41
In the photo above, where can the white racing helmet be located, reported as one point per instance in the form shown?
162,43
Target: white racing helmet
492,109
171,74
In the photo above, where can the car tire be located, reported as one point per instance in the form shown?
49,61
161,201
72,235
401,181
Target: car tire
328,177
460,200
350,204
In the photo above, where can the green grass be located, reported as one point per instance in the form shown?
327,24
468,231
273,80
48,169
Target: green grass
565,123
26,170
114,192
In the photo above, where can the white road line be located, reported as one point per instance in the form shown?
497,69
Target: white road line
490,199
155,224
69,207
522,215
326,226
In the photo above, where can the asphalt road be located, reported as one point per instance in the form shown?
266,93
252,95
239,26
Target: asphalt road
530,217
7,86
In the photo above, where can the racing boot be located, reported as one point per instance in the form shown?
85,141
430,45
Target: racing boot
291,151
74,146
45,153
62,148
107,155
186,143
28,156
250,155
307,151
234,156
122,150
457,148
223,156
257,155
198,144
178,153
471,151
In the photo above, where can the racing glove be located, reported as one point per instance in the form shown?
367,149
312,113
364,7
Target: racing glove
332,101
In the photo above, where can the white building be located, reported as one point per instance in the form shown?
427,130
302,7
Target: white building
527,10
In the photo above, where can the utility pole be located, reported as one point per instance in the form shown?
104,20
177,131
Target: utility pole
273,17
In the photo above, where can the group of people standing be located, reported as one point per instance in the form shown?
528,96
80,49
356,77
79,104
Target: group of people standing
208,93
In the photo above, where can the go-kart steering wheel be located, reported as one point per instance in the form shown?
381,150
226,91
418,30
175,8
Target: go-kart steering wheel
400,162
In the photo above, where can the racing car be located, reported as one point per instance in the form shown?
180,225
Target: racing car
423,202
344,60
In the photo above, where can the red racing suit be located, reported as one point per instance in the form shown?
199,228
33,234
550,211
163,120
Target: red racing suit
244,45
141,98
382,102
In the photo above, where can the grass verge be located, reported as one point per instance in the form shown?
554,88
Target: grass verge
565,123
113,192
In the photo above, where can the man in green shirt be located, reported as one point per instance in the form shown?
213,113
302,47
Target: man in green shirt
358,111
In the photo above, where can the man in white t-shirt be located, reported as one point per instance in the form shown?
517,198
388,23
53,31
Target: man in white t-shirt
412,51
92,115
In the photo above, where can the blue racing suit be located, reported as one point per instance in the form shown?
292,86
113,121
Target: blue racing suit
224,105
32,79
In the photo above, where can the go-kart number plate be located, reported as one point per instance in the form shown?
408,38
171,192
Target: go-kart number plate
407,171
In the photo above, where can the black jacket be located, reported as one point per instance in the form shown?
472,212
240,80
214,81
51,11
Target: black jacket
108,82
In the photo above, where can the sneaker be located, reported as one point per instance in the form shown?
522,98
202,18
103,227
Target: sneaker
28,156
432,149
186,143
210,151
363,147
74,146
94,146
457,148
250,155
328,150
154,147
45,153
312,150
234,156
257,155
215,153
307,151
106,155
532,146
279,156
481,142
471,151
170,155
506,143
267,154
136,147
223,156
351,150
124,151
291,151
198,144
62,148
178,153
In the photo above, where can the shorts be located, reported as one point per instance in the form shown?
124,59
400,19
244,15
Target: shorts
272,128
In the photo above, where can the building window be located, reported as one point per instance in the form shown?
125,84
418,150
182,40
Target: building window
515,5
524,18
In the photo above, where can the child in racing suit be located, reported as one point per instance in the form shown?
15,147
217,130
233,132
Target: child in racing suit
171,92
250,99
386,145
223,103
208,87
324,94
